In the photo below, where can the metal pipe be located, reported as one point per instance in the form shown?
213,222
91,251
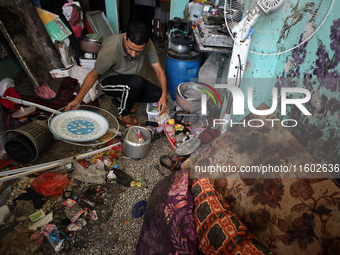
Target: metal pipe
38,168
20,101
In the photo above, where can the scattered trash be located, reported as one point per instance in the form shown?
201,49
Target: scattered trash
138,183
138,209
4,214
123,178
42,222
37,216
68,190
52,234
37,237
93,215
110,176
95,173
4,163
77,216
50,184
107,161
74,227
69,202
69,199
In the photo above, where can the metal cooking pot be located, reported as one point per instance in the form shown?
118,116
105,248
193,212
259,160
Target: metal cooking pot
131,147
188,96
91,43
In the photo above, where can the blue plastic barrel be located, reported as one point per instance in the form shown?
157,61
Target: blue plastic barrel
178,71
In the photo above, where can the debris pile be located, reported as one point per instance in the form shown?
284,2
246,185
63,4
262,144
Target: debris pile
46,211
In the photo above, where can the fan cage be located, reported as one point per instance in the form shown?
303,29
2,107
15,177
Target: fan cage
319,14
34,137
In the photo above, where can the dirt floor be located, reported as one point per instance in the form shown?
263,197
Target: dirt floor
115,231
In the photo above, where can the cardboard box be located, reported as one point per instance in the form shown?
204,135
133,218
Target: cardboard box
56,29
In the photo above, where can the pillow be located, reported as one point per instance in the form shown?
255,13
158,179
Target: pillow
169,226
219,231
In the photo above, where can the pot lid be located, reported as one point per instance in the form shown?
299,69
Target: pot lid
94,38
24,112
180,49
188,147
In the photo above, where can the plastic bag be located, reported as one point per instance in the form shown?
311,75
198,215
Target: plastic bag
95,173
163,119
50,184
52,234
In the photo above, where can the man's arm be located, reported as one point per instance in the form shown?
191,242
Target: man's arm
162,103
89,81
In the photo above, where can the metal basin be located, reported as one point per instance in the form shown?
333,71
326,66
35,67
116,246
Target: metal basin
188,96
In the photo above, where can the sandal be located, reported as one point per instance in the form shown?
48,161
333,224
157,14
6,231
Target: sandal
128,121
116,102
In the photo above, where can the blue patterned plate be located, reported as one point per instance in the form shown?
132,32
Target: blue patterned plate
79,125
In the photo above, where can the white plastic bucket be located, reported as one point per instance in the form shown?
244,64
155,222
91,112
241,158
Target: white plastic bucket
5,84
152,114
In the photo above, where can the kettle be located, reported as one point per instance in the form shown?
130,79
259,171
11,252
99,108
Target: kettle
181,44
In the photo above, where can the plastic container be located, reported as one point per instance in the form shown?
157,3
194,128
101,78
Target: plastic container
178,71
152,113
171,122
170,130
62,72
196,11
208,71
172,140
5,84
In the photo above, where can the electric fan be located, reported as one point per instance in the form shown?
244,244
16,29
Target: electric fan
279,25
270,27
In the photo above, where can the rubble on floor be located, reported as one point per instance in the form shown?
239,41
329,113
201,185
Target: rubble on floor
57,211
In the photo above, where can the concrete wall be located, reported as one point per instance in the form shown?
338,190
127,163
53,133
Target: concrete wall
315,67
177,8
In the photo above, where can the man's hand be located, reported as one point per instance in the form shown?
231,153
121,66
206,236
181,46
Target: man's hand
73,105
162,105
89,81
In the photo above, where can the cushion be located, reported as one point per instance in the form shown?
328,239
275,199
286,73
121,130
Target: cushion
296,213
218,229
168,226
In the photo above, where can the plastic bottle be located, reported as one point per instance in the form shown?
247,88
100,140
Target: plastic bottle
170,130
171,122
